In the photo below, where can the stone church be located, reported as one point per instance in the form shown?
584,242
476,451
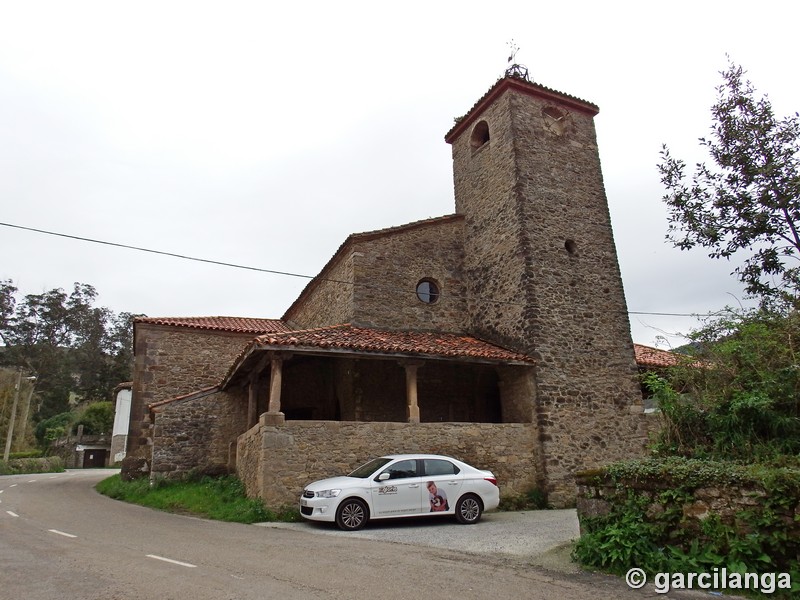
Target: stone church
498,334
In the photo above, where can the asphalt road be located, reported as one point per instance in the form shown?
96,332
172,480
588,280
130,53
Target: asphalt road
60,539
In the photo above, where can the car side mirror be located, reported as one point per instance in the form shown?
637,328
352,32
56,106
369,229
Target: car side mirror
384,476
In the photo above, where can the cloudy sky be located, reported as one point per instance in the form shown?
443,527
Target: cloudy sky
262,134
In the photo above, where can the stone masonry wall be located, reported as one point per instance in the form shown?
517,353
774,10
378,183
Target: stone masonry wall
750,508
328,302
172,361
542,269
298,452
198,434
385,268
248,460
389,267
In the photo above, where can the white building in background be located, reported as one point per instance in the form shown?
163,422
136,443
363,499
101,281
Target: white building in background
122,417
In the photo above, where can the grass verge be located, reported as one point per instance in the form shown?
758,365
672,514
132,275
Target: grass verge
217,498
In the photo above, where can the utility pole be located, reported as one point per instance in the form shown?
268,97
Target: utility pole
13,417
21,435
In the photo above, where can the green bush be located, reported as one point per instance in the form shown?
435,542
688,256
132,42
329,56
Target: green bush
738,396
647,528
27,454
97,418
53,428
18,466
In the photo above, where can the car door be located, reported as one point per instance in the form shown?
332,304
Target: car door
400,493
443,483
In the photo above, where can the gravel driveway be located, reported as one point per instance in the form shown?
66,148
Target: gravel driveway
539,537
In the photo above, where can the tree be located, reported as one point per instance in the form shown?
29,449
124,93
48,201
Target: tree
76,350
749,202
97,418
738,395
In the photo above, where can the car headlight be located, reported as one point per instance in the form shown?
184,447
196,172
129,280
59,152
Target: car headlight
327,493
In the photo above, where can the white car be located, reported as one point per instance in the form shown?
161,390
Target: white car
402,485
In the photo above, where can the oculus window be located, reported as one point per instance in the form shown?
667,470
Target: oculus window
427,291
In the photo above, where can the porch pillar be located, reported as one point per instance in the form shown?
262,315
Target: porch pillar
412,407
274,416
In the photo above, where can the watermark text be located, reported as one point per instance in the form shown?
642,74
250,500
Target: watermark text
716,579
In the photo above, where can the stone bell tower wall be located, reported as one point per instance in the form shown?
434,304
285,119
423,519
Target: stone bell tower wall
542,273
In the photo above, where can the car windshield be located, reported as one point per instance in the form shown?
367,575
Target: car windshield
369,468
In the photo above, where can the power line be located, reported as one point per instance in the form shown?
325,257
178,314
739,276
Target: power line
284,273
151,251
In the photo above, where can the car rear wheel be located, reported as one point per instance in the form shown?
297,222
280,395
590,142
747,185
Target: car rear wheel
352,514
469,509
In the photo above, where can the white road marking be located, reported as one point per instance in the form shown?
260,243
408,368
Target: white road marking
32,481
13,485
174,562
56,531
13,514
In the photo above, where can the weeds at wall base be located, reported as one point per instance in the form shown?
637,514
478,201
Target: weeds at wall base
217,498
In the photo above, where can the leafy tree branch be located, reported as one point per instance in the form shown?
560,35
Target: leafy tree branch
748,201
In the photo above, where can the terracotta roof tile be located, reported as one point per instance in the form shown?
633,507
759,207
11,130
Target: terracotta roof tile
232,324
361,339
653,357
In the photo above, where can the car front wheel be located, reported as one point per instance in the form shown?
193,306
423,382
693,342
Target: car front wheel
468,509
352,514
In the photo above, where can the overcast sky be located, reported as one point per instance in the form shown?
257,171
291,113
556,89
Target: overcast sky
263,134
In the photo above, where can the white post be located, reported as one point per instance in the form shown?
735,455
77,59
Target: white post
13,418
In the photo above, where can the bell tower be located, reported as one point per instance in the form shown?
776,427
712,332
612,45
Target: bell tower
541,269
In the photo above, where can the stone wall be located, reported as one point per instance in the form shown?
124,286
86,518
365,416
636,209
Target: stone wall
541,269
715,505
172,361
388,268
198,434
327,299
276,462
726,501
249,468
383,269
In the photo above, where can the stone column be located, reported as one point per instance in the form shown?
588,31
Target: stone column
412,407
274,416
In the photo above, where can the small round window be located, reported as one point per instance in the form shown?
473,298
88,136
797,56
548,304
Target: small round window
427,291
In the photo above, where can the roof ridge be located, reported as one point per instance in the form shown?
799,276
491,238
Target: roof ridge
250,325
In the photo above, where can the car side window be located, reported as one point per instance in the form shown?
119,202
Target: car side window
402,469
440,467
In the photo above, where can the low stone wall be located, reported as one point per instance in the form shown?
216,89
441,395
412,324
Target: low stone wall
681,501
597,500
276,462
198,434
